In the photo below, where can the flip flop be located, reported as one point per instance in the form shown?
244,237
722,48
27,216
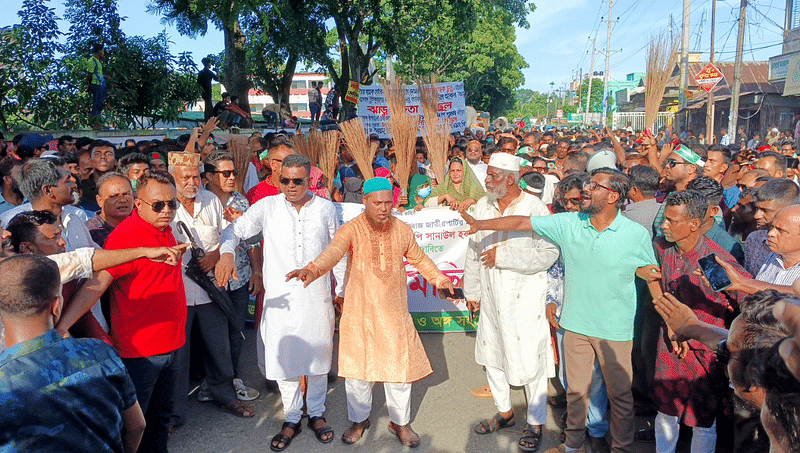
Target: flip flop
487,426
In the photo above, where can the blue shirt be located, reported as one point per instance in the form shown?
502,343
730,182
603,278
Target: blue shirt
62,394
599,272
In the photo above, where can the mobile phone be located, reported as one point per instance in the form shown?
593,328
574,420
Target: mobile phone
444,294
715,274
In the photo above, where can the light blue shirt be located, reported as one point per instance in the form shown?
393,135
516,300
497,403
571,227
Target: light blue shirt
599,272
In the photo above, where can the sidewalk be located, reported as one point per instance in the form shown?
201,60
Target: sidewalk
443,412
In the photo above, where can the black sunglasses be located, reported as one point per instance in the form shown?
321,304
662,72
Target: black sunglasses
295,181
225,173
158,206
671,163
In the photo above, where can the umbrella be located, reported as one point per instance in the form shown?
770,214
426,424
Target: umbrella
206,280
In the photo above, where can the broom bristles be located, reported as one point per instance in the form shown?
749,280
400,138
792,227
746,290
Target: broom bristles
403,128
661,58
437,132
241,160
328,157
356,140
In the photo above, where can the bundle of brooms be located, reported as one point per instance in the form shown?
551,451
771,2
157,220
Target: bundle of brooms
311,146
241,160
661,58
327,157
356,140
403,128
437,132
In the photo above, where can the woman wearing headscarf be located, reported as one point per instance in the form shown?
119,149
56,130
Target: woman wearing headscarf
419,189
460,189
381,172
316,183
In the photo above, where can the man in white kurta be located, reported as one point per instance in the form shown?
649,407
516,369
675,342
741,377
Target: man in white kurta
505,277
297,323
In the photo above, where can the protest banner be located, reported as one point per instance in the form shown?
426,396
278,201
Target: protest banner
441,233
374,110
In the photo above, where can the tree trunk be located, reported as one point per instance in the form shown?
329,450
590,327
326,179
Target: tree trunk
235,73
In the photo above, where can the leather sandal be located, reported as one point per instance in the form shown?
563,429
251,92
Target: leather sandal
353,435
405,434
238,409
279,438
495,423
531,437
321,431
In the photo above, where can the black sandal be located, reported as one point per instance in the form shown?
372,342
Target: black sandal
486,426
531,436
284,439
321,431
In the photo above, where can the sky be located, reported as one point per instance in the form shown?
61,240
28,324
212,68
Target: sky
560,33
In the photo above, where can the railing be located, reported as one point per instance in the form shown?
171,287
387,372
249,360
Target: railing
620,120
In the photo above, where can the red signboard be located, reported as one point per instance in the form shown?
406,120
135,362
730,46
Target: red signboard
709,77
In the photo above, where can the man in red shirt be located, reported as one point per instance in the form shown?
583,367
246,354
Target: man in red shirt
148,305
279,148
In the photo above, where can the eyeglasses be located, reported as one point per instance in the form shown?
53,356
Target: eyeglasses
158,206
295,181
591,185
671,163
575,201
225,173
722,353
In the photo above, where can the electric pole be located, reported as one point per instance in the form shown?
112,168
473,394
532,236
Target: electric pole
710,103
589,88
685,59
733,118
603,120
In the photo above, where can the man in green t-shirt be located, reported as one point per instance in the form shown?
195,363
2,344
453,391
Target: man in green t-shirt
97,83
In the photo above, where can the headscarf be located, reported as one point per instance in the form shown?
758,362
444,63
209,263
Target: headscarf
352,190
315,183
381,172
416,182
470,187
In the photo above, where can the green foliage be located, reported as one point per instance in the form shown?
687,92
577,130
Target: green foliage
91,22
143,84
596,103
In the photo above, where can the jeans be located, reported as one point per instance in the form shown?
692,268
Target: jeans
240,298
315,111
597,421
704,440
98,93
154,380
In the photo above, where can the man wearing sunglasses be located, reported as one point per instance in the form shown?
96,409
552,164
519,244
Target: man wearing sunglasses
602,252
296,328
681,167
272,157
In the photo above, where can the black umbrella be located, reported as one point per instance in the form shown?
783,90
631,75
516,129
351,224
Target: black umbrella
207,281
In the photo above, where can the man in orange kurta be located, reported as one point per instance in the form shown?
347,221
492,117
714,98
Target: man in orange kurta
377,338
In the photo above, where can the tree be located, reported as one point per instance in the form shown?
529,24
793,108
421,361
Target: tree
191,17
92,22
596,103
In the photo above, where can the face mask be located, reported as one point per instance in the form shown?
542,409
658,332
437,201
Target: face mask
424,193
134,183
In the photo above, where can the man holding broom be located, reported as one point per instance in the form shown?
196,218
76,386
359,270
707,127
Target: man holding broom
378,341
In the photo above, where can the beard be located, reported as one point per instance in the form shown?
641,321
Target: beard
189,192
496,193
15,189
590,210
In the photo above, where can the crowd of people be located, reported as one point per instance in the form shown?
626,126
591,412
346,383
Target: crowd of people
584,263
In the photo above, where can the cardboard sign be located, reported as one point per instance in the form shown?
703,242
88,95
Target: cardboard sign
352,93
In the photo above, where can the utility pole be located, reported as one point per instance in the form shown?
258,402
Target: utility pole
589,88
580,81
733,117
603,120
685,59
710,103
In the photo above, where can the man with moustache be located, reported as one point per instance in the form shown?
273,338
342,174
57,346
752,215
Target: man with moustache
603,251
770,198
505,278
11,196
377,338
202,212
115,198
103,161
297,322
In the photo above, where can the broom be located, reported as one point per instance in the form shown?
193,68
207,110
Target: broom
328,157
437,132
403,128
241,159
357,142
661,58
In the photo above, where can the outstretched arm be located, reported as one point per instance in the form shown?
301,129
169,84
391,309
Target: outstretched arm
84,300
104,259
509,223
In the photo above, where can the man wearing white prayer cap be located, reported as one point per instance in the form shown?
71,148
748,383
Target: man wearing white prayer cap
505,277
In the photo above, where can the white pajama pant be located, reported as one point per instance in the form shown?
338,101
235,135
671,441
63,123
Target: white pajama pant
292,396
359,400
535,394
704,440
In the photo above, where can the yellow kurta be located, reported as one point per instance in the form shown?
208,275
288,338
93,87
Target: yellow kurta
377,338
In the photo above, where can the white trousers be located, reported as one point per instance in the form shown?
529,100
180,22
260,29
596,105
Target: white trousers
359,400
704,440
292,396
535,394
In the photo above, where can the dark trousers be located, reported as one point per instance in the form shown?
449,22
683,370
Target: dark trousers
209,107
240,298
212,326
154,380
98,93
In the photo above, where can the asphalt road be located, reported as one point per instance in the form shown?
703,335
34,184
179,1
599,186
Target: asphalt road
443,412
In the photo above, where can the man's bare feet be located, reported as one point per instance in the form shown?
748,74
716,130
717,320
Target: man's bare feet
406,435
354,433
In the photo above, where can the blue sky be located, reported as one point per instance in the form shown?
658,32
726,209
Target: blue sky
560,33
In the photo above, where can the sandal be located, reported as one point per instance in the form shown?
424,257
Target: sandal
238,409
353,435
321,431
531,436
284,439
487,426
405,434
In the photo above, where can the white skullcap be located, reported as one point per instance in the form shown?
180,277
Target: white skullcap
504,161
602,159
